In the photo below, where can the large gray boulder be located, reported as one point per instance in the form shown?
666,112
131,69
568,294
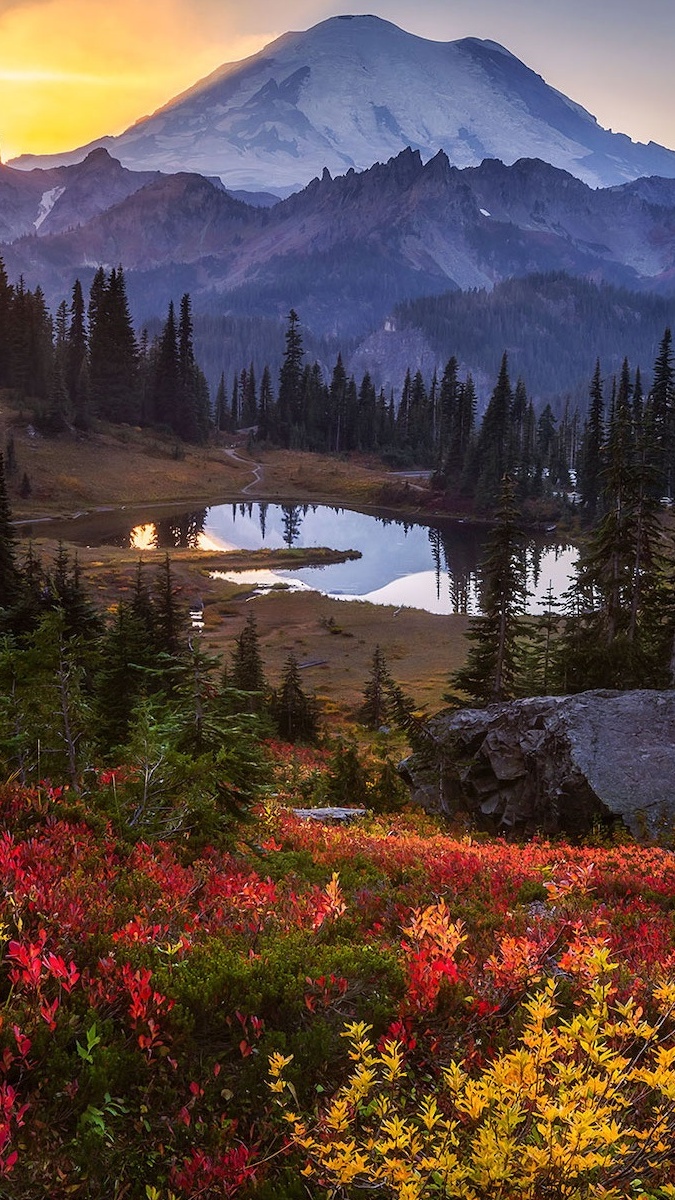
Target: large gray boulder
554,763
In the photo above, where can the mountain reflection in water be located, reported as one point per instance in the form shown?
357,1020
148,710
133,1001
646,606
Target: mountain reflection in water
433,566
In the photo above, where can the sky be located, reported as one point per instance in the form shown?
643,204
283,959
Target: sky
74,70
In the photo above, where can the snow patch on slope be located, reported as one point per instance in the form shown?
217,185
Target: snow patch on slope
46,204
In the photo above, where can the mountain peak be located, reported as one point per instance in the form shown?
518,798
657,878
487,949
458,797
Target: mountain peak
356,89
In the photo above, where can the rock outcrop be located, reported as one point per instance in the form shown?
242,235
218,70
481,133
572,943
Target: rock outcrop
554,764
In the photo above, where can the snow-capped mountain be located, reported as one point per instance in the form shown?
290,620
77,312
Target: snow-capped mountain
355,90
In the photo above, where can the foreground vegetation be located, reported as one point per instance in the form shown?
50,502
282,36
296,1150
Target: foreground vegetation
175,1011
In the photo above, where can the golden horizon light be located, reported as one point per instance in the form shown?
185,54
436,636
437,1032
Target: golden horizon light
73,71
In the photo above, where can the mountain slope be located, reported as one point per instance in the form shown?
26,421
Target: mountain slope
552,326
346,250
354,90
49,201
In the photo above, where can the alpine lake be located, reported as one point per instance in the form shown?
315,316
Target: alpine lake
432,565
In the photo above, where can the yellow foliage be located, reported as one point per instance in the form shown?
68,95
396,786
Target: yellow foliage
581,1108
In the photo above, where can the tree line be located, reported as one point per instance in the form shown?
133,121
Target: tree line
615,626
89,363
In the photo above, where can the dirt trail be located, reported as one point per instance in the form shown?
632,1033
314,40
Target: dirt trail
257,468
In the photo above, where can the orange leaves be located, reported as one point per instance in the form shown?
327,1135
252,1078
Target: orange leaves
433,941
516,964
573,879
330,904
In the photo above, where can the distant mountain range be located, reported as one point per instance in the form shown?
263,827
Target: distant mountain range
359,255
343,251
354,90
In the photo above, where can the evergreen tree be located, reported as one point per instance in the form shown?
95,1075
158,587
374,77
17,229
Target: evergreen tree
620,607
493,451
337,400
490,674
590,459
192,416
249,400
221,416
296,714
76,372
374,711
113,352
166,387
265,405
661,407
125,661
6,323
366,439
247,673
289,399
9,573
169,619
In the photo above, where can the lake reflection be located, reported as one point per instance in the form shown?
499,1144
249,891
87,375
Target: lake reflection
429,566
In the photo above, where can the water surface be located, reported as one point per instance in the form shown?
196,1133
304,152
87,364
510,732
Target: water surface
433,566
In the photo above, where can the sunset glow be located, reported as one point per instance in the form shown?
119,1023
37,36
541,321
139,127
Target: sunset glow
75,70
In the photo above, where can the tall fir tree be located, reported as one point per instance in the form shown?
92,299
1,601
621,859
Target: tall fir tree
247,673
376,706
494,443
113,351
289,397
77,376
166,386
9,572
661,409
589,481
490,674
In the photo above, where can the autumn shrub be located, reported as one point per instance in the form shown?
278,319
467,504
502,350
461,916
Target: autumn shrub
145,983
581,1106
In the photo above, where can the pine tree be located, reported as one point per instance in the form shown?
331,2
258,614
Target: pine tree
76,374
265,405
169,619
289,399
192,417
295,714
247,673
249,400
366,423
490,674
6,324
493,451
621,620
9,573
374,711
113,352
166,386
590,458
337,400
122,678
221,416
447,439
661,407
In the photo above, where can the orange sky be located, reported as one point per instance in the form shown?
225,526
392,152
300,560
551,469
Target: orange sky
74,70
